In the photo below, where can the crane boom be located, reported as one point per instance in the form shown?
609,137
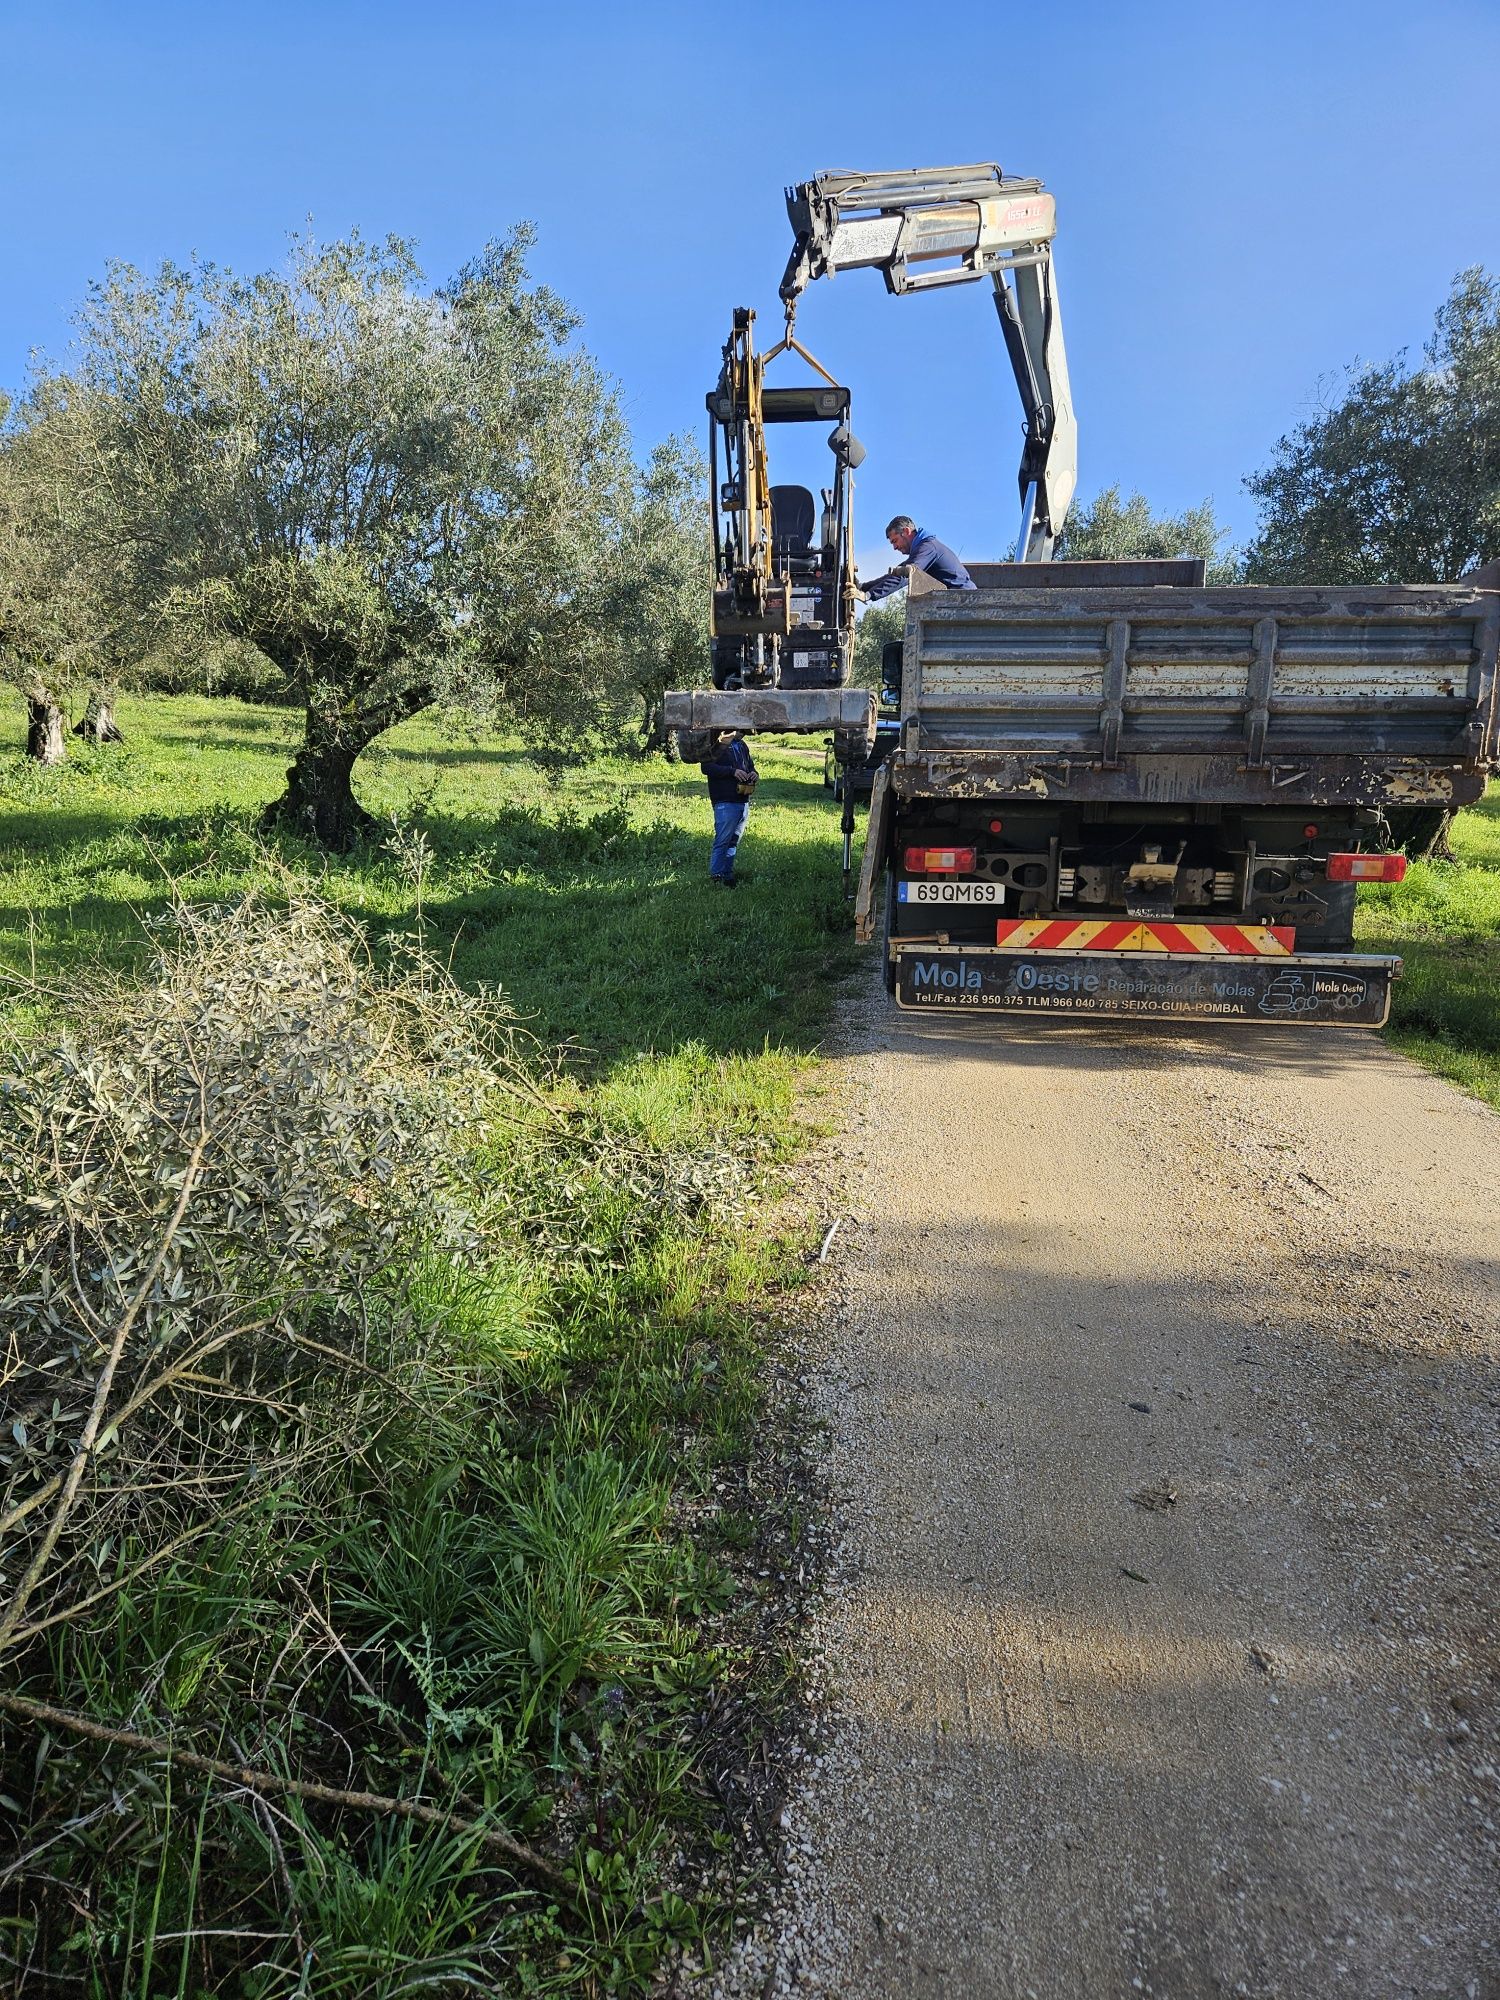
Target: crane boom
931,226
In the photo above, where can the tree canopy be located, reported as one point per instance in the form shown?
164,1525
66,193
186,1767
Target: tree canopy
878,624
1398,479
400,496
1109,529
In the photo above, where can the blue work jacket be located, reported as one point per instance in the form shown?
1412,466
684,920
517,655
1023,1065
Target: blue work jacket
926,552
722,771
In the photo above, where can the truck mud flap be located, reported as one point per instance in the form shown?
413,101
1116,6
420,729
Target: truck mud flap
1331,992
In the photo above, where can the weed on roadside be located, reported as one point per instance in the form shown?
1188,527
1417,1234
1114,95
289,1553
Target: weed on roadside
1444,922
456,1544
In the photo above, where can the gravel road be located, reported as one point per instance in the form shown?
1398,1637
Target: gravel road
1162,1392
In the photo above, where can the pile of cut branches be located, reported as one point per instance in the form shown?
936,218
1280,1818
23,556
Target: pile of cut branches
199,1190
355,1373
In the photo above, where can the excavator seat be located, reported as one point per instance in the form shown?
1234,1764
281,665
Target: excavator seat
793,516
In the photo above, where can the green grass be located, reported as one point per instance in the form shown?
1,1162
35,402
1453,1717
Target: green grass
546,1609
585,898
1444,921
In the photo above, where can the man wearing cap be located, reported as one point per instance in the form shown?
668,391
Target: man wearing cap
918,550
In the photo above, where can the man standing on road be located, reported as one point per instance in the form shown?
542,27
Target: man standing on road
732,777
918,550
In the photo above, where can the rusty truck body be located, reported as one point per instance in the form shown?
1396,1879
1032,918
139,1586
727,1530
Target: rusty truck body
1117,791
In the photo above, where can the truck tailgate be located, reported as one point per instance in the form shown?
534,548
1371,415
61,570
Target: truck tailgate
1248,680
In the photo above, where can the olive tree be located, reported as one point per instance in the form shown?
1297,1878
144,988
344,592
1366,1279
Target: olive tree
878,625
398,495
655,590
40,625
1110,529
1396,480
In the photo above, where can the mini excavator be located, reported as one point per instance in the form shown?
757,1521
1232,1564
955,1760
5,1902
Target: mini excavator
783,602
784,588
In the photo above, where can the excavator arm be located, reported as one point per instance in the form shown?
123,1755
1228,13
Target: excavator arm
950,226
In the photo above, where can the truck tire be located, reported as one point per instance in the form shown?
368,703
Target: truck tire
888,931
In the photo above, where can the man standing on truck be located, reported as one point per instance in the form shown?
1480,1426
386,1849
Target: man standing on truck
918,550
732,777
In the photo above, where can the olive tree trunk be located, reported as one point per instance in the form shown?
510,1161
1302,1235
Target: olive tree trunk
44,730
98,725
319,803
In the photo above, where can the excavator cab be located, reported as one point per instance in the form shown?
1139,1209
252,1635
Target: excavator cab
783,598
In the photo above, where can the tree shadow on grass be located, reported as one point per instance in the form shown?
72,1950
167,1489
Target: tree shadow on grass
32,833
448,754
639,952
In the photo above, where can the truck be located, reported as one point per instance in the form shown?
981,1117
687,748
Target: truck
1119,792
1115,790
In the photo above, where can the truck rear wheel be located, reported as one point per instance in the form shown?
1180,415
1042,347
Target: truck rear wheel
888,931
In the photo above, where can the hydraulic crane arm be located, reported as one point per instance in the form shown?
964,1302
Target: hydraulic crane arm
948,226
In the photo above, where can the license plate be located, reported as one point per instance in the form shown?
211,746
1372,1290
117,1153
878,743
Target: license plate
950,892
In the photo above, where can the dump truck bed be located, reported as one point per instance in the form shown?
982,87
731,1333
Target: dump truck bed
1373,696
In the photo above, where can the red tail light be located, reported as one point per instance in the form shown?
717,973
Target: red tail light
1366,867
940,860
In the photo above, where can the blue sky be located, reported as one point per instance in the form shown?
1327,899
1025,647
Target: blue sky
1249,197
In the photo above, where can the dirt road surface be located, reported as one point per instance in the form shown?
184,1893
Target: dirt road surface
1163,1403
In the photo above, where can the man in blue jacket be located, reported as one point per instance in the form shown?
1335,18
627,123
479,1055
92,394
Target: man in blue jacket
732,777
918,550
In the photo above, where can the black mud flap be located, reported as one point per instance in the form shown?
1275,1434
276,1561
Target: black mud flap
1344,992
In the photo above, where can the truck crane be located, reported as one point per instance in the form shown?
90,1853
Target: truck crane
921,228
934,226
1116,790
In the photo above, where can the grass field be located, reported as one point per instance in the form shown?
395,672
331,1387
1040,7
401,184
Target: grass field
599,1505
1444,920
561,1610
585,898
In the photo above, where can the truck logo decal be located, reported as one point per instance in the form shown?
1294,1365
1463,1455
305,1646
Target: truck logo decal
1293,993
936,972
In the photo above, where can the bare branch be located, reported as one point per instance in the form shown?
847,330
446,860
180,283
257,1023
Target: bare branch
499,1842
